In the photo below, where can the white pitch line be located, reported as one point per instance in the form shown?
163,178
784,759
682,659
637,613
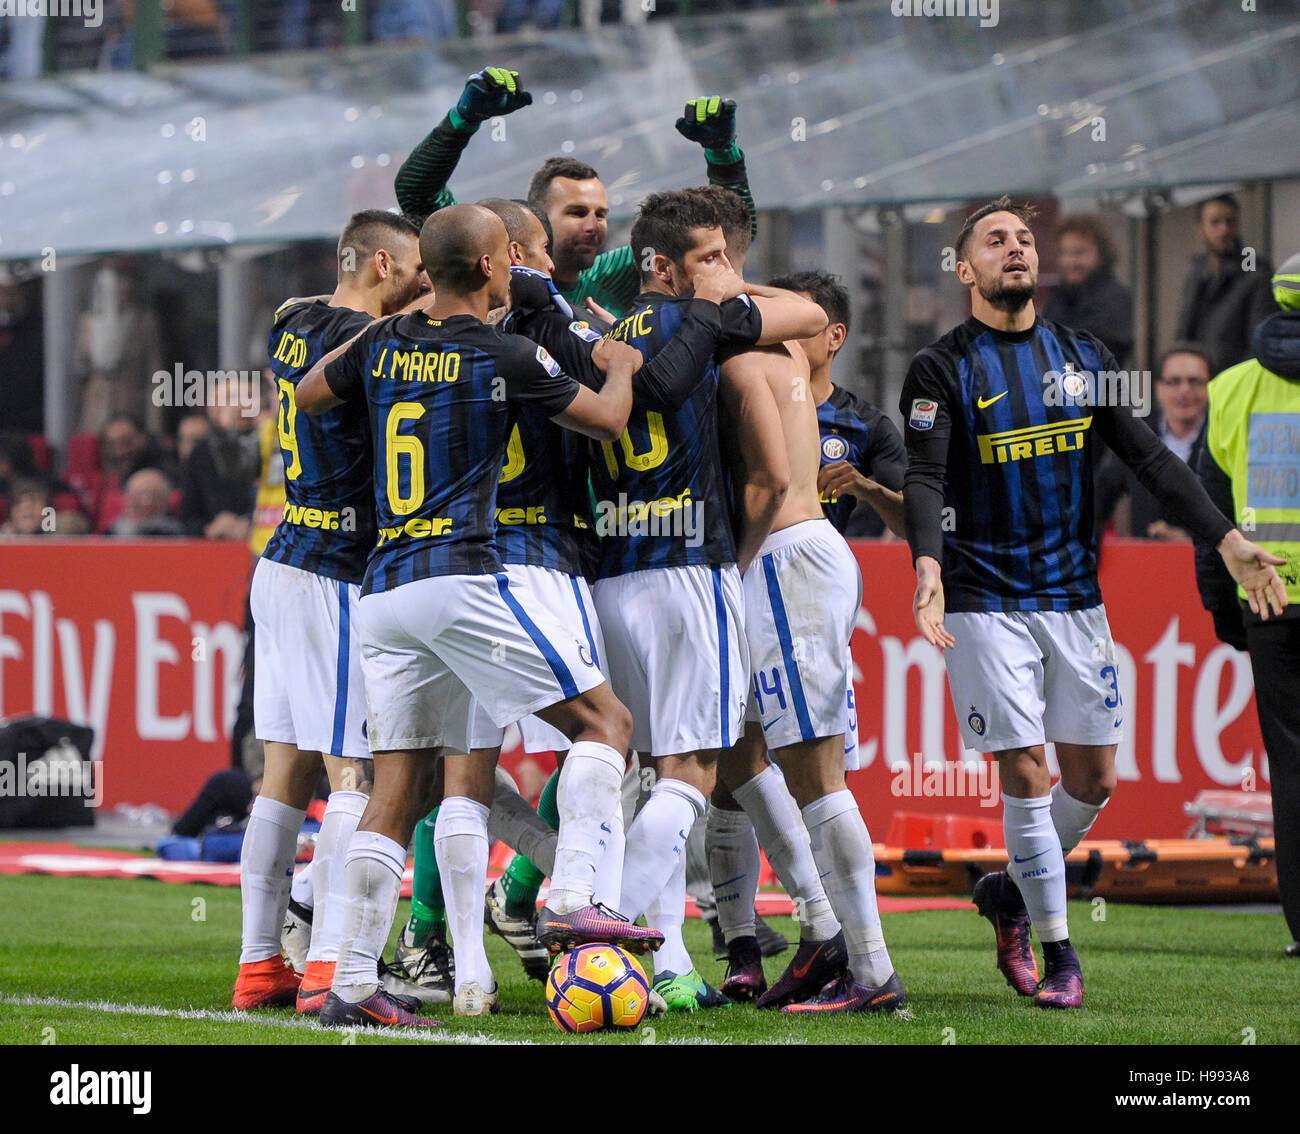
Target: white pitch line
293,1023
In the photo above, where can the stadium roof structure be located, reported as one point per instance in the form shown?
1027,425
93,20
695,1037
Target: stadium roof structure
843,105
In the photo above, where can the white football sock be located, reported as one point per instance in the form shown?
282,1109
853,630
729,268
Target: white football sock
514,822
303,891
342,814
265,875
784,839
373,883
733,868
461,843
1072,818
1037,866
588,795
667,913
841,848
609,868
656,842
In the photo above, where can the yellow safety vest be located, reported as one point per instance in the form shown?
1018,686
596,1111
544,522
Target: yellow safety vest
269,508
1254,435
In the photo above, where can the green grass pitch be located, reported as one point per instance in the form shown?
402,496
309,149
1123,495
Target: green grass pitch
115,961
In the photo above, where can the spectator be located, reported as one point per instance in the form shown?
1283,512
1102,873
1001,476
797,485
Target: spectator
119,348
192,429
217,481
1222,301
1181,389
1089,296
22,356
147,511
30,510
16,464
124,448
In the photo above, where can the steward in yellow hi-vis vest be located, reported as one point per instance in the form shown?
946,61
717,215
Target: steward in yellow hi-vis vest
1251,462
1252,442
268,510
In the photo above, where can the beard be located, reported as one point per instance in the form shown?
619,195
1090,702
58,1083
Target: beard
1008,297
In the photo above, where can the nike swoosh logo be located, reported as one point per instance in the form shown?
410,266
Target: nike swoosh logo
376,1016
769,725
1030,858
684,835
800,973
728,882
605,827
985,404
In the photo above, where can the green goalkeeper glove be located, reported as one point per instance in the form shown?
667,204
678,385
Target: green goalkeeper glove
492,91
710,121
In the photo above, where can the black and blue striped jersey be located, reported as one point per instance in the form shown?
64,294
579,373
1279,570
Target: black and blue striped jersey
855,431
441,396
661,495
999,479
543,512
329,513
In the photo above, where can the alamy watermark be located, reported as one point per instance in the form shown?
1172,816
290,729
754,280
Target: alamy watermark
952,779
199,388
89,12
58,774
986,10
677,516
1070,387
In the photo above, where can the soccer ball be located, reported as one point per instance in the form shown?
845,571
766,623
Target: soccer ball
594,987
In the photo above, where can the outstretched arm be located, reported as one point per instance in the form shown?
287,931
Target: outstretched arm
421,182
711,121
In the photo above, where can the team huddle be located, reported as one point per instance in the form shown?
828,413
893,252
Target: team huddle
618,526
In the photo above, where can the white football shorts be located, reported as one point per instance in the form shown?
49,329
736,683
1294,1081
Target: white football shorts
802,595
1021,678
307,683
569,599
429,646
677,658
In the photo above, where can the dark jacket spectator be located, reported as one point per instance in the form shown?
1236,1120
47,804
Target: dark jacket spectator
1089,297
214,504
1222,302
22,357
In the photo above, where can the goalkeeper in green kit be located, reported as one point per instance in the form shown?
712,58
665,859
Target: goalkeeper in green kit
571,195
566,189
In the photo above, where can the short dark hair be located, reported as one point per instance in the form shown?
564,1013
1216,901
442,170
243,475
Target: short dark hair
367,231
1003,204
1092,227
733,215
664,224
1222,199
1185,347
825,290
552,168
540,214
512,214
